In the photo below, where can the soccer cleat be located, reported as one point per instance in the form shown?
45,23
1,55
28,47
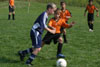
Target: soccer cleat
60,56
29,64
90,30
21,56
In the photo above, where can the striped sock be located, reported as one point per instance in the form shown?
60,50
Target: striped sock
31,58
29,50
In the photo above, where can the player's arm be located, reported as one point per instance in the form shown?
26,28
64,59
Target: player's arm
68,25
48,29
97,10
69,15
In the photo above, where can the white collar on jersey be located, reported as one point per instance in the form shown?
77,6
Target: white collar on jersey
46,14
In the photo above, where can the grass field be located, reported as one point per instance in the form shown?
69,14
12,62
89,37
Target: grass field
82,50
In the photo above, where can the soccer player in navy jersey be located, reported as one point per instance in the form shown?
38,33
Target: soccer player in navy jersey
36,33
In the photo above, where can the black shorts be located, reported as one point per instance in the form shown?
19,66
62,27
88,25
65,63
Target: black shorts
90,17
49,37
62,28
11,9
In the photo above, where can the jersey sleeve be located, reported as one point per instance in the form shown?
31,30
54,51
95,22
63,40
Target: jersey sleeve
68,13
50,23
44,21
95,8
64,24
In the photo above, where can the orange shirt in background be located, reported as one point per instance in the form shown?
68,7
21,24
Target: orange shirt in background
58,24
91,8
65,13
11,2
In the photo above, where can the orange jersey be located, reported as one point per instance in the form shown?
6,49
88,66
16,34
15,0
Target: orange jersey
63,14
11,2
57,25
91,8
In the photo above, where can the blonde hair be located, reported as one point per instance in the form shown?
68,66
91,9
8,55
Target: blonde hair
51,5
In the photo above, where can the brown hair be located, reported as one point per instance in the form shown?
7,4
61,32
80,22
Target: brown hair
57,11
90,0
62,2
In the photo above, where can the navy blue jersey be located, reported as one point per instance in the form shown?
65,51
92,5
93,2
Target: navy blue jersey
40,23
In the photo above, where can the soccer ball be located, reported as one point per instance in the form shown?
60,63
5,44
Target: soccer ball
61,63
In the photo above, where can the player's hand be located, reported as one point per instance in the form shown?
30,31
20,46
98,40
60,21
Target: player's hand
97,15
72,23
10,5
53,31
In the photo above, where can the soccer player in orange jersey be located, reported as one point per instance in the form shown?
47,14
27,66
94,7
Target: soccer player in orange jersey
65,14
11,9
90,8
56,23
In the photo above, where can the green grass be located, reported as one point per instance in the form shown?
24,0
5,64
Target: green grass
82,50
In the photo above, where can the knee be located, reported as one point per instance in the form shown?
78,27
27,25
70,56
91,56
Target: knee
13,12
64,31
38,49
9,13
60,40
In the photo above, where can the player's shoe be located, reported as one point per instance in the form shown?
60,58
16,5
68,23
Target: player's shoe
21,56
60,56
90,30
29,64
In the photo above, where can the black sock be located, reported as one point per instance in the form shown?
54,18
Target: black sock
27,51
9,17
64,36
59,49
13,16
92,26
89,25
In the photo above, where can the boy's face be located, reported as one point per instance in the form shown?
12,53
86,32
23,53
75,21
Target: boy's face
90,2
57,15
51,10
63,5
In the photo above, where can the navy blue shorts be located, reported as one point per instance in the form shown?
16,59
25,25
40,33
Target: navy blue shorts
36,39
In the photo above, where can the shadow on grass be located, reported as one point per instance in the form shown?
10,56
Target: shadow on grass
7,60
45,58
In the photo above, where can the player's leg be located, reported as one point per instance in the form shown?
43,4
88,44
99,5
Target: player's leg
9,13
92,19
92,25
36,43
47,39
32,56
23,53
64,36
59,48
89,24
13,14
43,43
